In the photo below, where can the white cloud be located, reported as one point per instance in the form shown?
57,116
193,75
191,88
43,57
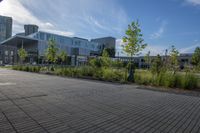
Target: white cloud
48,25
86,18
93,18
59,32
189,49
160,31
154,49
22,15
193,2
97,23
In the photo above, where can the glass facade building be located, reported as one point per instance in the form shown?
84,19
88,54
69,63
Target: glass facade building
5,28
72,45
36,42
30,29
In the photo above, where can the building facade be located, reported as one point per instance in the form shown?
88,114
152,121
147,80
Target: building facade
106,43
184,59
37,43
5,28
30,29
72,45
8,55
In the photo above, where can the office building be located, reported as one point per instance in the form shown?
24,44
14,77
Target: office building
36,44
30,29
8,55
184,59
106,43
5,28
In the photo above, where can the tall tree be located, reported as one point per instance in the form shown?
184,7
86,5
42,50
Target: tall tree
157,65
22,54
111,52
196,57
134,43
62,56
174,58
51,51
105,59
147,58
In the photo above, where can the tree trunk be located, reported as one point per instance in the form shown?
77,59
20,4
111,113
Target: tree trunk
131,71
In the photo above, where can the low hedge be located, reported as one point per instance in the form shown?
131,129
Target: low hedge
27,68
164,78
168,79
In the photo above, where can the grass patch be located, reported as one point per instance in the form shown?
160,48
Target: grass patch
168,79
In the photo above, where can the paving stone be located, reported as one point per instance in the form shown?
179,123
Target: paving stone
41,103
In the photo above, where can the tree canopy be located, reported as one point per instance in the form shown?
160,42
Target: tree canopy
196,57
157,64
174,56
111,52
22,54
133,40
51,51
62,56
105,59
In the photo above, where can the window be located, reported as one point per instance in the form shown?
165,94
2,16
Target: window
11,59
48,37
6,60
6,52
142,60
42,36
11,53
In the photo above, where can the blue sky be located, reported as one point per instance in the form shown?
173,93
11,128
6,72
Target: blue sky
163,22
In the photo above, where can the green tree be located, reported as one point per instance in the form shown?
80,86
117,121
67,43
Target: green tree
62,56
22,54
51,51
134,43
157,65
147,59
174,58
105,59
111,52
95,62
196,57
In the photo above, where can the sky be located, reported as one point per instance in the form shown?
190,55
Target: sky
163,22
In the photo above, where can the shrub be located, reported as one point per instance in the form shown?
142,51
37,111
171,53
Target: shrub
143,77
157,65
190,81
95,63
59,71
112,75
43,69
98,73
86,71
168,79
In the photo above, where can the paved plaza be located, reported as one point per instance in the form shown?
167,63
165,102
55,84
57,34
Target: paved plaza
41,103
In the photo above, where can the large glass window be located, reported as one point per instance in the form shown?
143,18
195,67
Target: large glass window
48,37
42,36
